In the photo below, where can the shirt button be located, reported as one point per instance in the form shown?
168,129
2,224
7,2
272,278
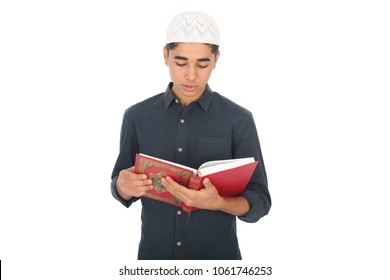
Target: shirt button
178,244
180,150
177,101
181,120
179,212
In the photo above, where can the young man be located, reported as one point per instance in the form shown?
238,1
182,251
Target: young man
190,124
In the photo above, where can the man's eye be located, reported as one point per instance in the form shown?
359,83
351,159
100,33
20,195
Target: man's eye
180,64
202,66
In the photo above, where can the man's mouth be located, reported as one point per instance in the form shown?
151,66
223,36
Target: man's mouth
189,87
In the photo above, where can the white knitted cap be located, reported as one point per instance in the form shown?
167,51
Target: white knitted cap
193,27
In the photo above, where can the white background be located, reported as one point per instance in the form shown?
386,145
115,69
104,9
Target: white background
315,74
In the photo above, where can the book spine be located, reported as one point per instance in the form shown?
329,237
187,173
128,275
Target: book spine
136,163
195,183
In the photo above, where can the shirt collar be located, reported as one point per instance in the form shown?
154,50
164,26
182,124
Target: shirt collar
204,101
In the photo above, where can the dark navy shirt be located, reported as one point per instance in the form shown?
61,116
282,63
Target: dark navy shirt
211,128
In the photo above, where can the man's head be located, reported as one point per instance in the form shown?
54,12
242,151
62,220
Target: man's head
191,53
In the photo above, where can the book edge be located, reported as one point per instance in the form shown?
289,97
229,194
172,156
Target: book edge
232,164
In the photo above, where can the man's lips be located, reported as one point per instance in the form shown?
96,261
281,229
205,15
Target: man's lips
189,87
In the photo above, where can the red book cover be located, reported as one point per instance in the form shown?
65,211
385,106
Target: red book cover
229,182
230,177
156,169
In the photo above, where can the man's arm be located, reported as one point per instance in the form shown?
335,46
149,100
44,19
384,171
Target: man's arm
246,143
126,186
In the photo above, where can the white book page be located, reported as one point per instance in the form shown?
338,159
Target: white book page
218,165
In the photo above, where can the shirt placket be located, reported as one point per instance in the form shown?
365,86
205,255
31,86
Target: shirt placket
180,240
181,149
181,140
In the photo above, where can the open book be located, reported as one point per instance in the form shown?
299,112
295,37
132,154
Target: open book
230,177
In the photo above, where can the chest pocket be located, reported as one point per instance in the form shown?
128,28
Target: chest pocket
213,148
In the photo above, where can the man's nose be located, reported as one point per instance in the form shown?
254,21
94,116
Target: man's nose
191,73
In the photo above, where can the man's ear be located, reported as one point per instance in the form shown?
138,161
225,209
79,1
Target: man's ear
166,55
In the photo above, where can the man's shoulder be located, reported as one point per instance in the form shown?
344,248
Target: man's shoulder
146,104
229,105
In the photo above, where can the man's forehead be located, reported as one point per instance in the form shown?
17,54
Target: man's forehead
198,50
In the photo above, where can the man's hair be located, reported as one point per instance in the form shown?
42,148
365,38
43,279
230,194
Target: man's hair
214,48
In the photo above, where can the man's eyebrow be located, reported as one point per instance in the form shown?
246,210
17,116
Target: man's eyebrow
199,60
181,57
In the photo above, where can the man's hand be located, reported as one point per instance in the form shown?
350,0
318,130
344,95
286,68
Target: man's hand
130,184
207,198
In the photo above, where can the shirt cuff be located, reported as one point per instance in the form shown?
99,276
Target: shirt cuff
258,207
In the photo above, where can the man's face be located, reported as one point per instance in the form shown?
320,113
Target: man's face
190,66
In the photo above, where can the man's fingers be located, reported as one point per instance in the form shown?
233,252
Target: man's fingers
140,191
130,175
175,188
131,169
134,184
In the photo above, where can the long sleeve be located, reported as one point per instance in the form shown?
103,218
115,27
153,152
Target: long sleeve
128,148
246,143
